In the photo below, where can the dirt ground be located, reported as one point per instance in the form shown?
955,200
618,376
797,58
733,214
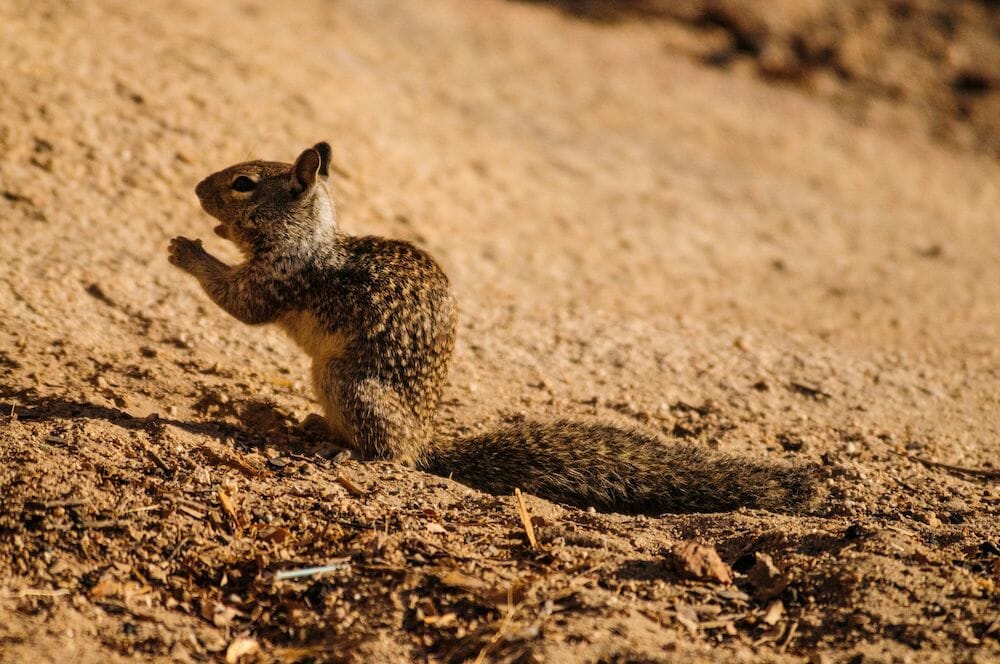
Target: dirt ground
636,229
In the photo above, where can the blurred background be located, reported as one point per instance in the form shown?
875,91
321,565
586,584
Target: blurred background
939,59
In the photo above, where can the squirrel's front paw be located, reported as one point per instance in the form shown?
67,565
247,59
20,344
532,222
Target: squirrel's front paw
185,253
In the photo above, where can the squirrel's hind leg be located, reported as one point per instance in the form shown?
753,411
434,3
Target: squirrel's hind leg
379,423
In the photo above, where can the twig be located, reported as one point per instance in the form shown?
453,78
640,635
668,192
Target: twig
177,548
978,472
505,624
136,510
788,636
68,502
105,523
158,461
522,509
903,484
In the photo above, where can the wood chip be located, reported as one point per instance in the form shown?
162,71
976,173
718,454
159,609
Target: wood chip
228,458
456,579
351,487
240,648
687,617
230,509
715,624
699,562
190,512
767,580
773,613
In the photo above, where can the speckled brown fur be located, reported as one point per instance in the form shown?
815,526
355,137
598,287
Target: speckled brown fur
378,319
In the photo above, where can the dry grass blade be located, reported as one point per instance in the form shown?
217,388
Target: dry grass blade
985,473
37,592
522,510
303,572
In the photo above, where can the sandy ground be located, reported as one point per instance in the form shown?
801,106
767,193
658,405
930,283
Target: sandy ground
632,234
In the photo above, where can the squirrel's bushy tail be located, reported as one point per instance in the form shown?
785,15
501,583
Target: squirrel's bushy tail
616,469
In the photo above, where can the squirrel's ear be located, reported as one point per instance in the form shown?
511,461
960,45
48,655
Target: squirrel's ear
305,169
325,152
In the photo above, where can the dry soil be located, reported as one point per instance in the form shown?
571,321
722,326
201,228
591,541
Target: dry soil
636,229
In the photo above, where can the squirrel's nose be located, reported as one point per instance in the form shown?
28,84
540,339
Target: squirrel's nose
201,189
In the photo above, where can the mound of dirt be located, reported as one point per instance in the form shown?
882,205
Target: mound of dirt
633,234
917,65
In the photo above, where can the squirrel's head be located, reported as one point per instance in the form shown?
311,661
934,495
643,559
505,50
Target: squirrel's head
265,204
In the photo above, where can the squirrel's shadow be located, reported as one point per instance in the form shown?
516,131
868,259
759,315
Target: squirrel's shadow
258,421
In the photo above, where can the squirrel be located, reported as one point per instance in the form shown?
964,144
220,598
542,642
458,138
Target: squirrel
378,318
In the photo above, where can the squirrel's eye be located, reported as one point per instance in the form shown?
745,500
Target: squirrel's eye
243,183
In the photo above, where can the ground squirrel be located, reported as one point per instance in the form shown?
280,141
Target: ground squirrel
378,318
